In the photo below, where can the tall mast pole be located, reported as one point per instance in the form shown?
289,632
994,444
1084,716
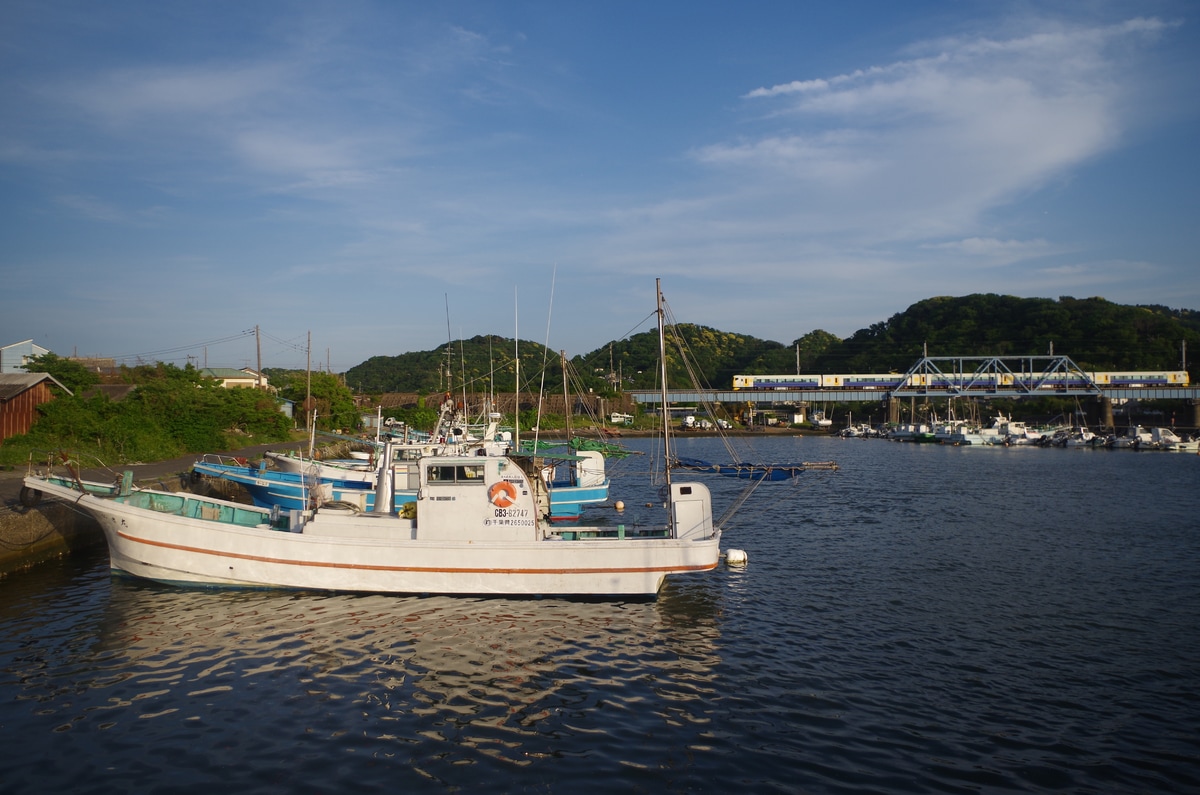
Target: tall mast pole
662,357
517,375
308,380
562,358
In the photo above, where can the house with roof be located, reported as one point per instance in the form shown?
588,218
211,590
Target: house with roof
13,358
20,395
231,378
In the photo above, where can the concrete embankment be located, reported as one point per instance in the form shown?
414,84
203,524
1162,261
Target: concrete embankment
53,528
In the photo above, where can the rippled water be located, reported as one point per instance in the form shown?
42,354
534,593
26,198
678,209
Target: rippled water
927,619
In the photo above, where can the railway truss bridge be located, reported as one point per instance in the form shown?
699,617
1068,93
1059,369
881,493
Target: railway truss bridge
944,377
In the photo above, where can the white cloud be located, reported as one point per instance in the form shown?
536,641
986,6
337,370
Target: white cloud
98,209
292,152
129,96
993,250
923,147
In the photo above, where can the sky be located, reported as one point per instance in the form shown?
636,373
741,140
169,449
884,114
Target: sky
359,179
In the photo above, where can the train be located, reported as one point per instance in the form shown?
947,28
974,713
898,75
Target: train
973,381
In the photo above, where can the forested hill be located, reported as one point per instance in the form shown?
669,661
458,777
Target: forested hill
1096,334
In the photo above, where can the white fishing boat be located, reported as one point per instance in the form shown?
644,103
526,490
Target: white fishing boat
1019,433
962,432
1167,439
1078,436
477,526
1134,437
450,437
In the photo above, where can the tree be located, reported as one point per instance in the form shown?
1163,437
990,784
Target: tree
332,400
73,375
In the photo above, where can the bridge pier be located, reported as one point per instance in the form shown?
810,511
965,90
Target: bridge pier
893,411
1106,413
1195,413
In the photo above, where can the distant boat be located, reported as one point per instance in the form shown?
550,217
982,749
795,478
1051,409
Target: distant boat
1167,439
1075,437
1135,437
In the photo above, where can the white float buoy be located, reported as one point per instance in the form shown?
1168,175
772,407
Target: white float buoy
619,505
736,557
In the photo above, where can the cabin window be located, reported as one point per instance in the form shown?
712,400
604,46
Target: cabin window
468,473
685,489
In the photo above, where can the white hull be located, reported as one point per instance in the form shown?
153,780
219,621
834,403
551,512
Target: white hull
383,553
249,557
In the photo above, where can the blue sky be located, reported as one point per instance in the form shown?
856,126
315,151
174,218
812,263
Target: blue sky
386,175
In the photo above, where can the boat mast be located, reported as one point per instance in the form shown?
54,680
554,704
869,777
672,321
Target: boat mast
516,375
662,358
562,360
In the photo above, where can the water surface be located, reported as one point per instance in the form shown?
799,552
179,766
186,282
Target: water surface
926,619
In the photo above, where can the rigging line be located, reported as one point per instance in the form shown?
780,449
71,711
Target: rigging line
545,357
739,501
600,351
638,325
688,359
760,508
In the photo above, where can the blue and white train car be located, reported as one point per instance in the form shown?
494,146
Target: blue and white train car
980,381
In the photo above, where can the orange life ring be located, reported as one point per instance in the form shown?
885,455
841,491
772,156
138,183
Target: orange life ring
502,494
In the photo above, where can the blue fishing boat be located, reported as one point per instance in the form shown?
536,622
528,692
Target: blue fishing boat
768,472
573,482
293,490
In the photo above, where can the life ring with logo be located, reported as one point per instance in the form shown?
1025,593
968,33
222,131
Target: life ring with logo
502,494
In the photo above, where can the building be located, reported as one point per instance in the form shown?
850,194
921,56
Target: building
13,358
20,395
231,378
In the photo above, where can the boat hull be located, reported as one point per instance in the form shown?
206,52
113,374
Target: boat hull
169,548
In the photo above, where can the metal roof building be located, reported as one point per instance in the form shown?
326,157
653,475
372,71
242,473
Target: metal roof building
14,357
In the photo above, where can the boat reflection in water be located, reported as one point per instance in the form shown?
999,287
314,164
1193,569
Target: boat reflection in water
509,679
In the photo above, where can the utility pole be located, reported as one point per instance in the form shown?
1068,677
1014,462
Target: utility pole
258,346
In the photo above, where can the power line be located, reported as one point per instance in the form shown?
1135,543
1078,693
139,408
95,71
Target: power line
181,348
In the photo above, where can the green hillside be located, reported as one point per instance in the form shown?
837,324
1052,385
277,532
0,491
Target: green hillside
1096,334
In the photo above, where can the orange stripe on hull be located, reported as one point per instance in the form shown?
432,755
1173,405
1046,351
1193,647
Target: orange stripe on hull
369,567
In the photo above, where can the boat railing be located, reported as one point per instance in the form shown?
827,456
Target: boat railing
225,460
193,507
